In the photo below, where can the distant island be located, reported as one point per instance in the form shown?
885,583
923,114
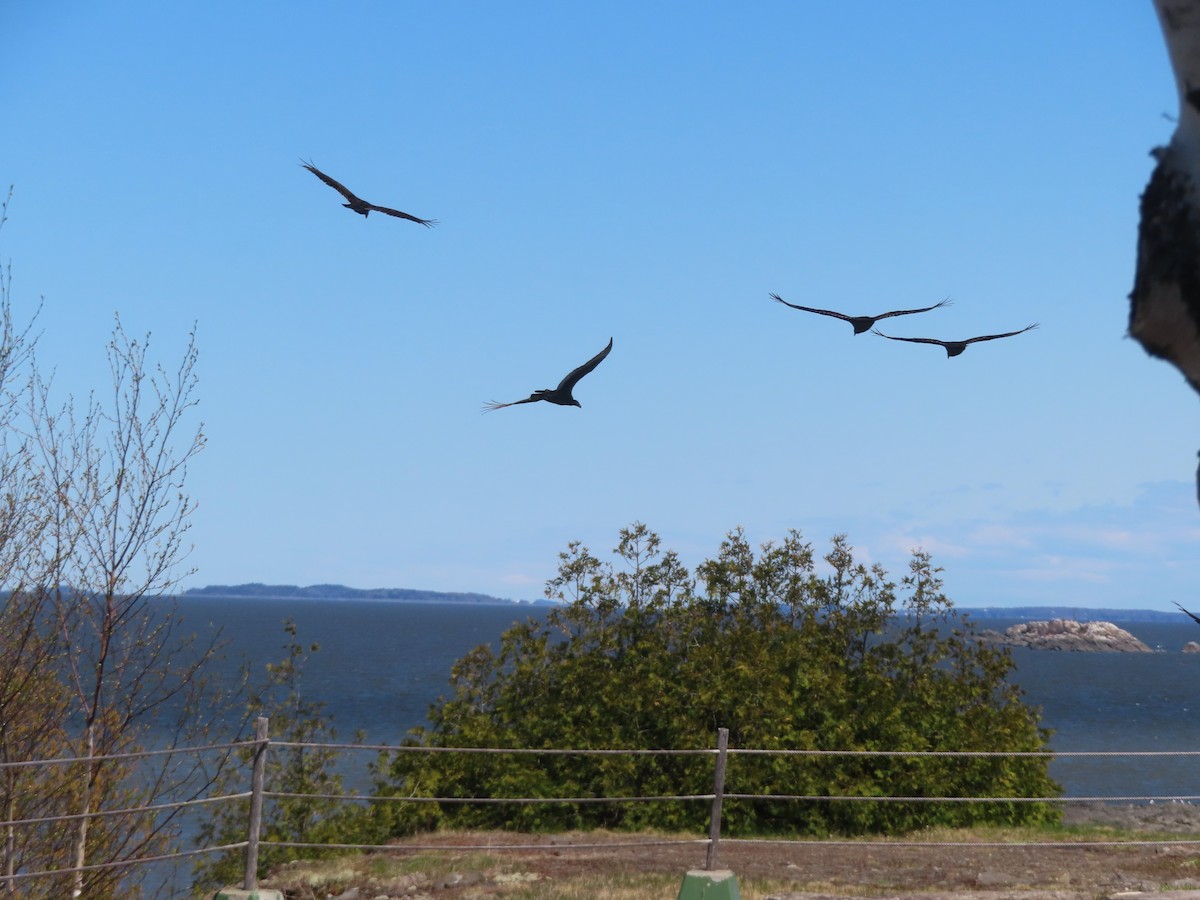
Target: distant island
258,591
1068,634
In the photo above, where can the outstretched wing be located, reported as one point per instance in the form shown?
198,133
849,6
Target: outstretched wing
910,340
488,407
992,337
428,223
1195,617
812,309
336,185
568,383
909,312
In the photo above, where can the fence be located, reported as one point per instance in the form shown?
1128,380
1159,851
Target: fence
259,793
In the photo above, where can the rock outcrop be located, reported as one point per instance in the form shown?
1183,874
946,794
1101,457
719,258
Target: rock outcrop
1067,634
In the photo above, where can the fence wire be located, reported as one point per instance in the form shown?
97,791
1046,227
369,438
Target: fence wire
111,757
712,797
485,800
845,798
101,813
526,751
123,863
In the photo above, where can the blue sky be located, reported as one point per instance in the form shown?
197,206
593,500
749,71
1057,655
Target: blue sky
649,172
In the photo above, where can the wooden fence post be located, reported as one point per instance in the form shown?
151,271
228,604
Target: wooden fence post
250,881
714,822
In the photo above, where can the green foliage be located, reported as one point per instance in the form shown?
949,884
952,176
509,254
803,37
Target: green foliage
293,718
644,655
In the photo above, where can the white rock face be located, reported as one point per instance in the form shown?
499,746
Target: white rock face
1067,634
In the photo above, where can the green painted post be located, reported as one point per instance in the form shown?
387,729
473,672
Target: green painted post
240,894
709,884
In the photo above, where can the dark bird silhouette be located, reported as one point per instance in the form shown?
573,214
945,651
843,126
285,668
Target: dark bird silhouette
860,323
1195,617
953,348
360,206
561,394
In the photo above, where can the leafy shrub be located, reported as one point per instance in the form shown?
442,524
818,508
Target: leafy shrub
646,655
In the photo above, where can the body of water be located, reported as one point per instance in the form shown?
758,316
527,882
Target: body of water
381,664
1120,701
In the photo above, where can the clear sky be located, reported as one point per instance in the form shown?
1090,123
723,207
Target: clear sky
649,172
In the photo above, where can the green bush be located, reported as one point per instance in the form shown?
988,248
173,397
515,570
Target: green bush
646,655
307,771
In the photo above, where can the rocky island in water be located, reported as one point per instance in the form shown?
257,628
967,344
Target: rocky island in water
1067,634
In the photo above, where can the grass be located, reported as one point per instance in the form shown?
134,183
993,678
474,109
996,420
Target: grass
426,874
557,872
622,886
513,875
430,864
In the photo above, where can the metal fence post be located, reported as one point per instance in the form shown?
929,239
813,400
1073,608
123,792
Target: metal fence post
714,822
250,881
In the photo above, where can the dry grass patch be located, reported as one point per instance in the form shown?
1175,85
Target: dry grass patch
624,866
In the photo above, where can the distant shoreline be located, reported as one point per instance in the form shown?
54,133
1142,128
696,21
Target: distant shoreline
259,591
487,601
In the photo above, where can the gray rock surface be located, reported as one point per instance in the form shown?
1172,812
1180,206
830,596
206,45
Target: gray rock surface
1067,634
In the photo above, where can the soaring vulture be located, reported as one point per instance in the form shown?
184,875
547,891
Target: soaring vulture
1195,617
953,348
560,395
360,206
860,323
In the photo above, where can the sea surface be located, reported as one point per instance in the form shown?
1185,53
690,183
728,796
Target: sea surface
381,664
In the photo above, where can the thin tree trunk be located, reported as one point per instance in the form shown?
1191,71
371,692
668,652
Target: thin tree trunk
10,839
81,837
10,832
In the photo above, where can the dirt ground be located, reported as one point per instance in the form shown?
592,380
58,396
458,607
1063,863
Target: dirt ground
1159,853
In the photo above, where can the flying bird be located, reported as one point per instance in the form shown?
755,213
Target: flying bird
860,323
560,395
1192,614
360,206
953,348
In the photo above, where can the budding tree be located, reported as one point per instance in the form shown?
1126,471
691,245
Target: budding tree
120,517
94,518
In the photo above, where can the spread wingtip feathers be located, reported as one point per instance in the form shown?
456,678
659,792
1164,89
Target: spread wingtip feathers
360,206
